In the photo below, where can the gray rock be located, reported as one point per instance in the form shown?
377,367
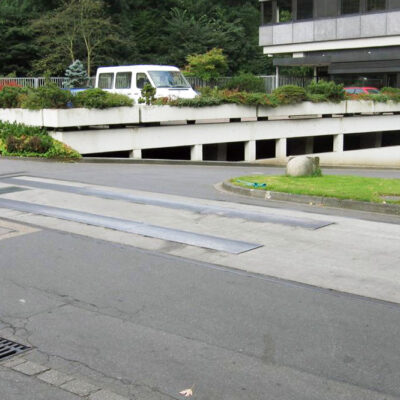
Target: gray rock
302,166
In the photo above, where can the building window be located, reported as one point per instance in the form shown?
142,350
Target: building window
350,6
266,10
284,10
305,9
123,80
106,81
376,5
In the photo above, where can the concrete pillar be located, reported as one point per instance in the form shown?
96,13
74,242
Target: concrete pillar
196,152
378,139
136,154
309,145
276,77
222,151
280,148
250,150
338,143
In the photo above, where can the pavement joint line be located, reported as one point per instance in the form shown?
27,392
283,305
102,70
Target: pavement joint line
60,380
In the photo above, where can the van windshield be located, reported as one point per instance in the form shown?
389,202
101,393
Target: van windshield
169,79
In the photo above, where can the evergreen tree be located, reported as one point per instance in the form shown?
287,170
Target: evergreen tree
76,75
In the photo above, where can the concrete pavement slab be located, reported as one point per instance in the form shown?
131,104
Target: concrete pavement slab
16,386
54,377
30,368
79,387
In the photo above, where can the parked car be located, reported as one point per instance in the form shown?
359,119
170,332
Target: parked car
130,80
361,90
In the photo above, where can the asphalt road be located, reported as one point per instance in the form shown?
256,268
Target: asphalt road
186,180
147,325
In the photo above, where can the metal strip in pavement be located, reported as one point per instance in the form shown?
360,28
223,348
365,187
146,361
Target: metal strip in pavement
139,228
177,205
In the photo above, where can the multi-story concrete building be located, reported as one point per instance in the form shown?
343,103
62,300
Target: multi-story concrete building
356,42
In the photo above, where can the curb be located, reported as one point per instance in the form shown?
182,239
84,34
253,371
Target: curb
109,160
392,209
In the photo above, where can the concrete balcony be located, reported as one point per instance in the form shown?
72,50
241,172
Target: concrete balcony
372,29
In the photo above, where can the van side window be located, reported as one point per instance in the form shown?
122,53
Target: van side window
141,80
106,81
123,80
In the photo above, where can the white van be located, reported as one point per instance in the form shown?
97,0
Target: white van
129,80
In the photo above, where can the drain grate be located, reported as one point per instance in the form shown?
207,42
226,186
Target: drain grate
9,348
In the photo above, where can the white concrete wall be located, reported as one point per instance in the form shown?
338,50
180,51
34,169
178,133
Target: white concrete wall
383,157
302,120
52,118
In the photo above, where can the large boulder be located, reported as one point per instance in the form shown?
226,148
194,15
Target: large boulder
302,166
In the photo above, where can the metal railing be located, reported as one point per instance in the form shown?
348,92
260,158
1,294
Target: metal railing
269,81
38,81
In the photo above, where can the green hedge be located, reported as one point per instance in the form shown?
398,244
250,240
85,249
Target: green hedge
51,96
27,141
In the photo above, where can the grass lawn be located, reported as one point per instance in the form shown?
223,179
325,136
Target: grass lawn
341,187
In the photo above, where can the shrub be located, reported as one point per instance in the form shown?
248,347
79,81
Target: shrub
11,96
49,96
289,94
390,91
13,129
76,75
330,90
148,94
97,98
28,144
23,140
214,97
316,98
208,66
246,83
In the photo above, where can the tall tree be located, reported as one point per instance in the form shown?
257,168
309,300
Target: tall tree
77,29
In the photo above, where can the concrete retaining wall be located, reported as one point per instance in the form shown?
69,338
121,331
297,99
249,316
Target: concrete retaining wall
142,127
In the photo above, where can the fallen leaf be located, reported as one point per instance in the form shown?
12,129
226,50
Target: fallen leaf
187,392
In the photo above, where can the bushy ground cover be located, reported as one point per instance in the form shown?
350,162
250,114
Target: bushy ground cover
338,186
51,96
316,92
245,90
27,141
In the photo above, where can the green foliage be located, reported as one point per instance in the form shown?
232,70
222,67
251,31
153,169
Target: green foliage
76,75
285,16
214,97
289,94
28,144
316,98
10,96
246,83
328,90
208,66
49,96
28,141
148,94
41,35
390,91
97,98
